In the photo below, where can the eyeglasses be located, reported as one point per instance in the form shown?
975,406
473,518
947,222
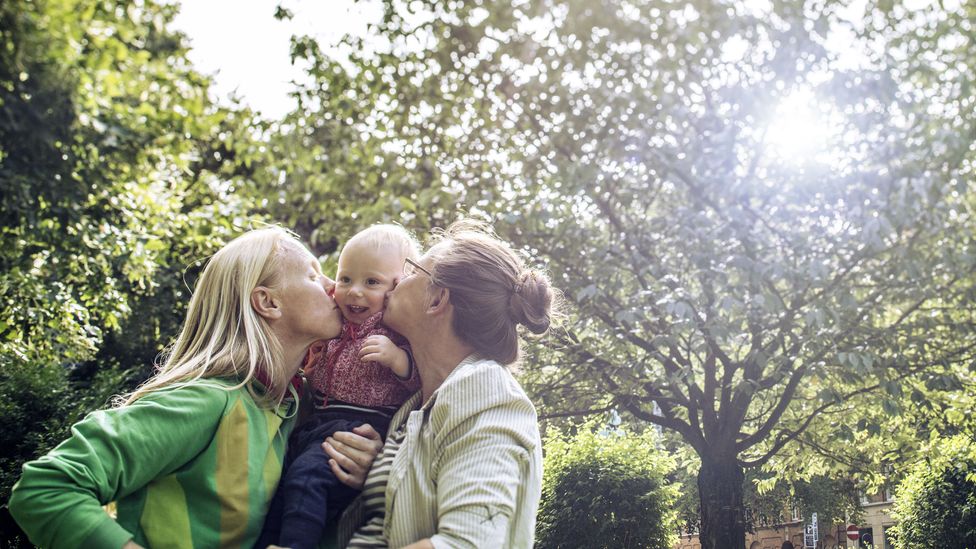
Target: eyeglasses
410,268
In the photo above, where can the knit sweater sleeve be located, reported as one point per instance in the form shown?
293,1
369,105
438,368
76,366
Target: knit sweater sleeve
110,454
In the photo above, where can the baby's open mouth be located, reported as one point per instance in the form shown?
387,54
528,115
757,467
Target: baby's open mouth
356,309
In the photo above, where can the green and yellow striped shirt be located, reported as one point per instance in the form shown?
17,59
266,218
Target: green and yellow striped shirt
193,466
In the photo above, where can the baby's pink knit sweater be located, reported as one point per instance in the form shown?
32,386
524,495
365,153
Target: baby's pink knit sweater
334,370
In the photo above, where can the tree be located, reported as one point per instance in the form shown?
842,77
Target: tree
770,501
606,488
324,178
936,503
726,289
116,175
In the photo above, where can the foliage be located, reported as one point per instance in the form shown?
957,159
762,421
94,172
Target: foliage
605,488
328,180
834,500
936,503
804,311
770,501
726,288
116,174
31,397
770,498
734,291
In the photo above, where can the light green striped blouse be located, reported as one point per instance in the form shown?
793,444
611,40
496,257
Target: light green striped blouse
468,472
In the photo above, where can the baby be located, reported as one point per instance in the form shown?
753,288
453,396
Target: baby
361,377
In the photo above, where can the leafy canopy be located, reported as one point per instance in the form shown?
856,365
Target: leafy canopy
117,174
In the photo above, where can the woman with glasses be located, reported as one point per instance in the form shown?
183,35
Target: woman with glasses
462,463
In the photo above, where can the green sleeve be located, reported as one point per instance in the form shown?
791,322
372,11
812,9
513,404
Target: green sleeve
110,454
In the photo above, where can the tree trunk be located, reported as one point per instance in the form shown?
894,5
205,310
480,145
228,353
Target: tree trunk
722,513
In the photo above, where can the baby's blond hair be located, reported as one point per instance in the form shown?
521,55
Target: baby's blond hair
383,235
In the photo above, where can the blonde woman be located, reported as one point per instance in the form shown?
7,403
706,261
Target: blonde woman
192,457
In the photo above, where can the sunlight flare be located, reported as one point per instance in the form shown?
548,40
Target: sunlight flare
801,128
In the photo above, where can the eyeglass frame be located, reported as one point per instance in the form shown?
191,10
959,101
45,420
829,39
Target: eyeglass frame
415,265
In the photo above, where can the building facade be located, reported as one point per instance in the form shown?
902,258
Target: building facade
872,531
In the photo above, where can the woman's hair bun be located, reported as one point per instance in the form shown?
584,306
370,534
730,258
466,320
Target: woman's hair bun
531,301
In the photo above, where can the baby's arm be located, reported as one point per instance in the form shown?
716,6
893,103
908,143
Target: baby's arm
379,348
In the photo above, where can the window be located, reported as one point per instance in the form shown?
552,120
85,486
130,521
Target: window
795,511
888,495
884,495
887,537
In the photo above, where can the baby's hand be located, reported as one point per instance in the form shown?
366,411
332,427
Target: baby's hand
379,348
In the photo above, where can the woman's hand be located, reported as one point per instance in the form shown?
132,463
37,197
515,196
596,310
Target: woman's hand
352,454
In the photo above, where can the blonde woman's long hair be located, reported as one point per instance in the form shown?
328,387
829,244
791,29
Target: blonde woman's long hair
222,336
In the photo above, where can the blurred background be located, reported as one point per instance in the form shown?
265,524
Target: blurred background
760,213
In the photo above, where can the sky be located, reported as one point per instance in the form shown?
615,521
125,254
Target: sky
245,49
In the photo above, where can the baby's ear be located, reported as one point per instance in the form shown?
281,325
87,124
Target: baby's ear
265,303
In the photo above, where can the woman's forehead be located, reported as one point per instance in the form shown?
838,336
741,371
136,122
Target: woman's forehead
437,250
293,251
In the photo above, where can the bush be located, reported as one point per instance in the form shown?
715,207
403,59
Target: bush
935,505
38,405
606,489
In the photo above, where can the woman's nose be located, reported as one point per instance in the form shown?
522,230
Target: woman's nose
328,284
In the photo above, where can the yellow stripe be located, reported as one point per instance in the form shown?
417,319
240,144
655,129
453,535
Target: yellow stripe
273,461
165,520
231,475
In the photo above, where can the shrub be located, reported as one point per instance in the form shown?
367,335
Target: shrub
935,505
606,489
38,405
